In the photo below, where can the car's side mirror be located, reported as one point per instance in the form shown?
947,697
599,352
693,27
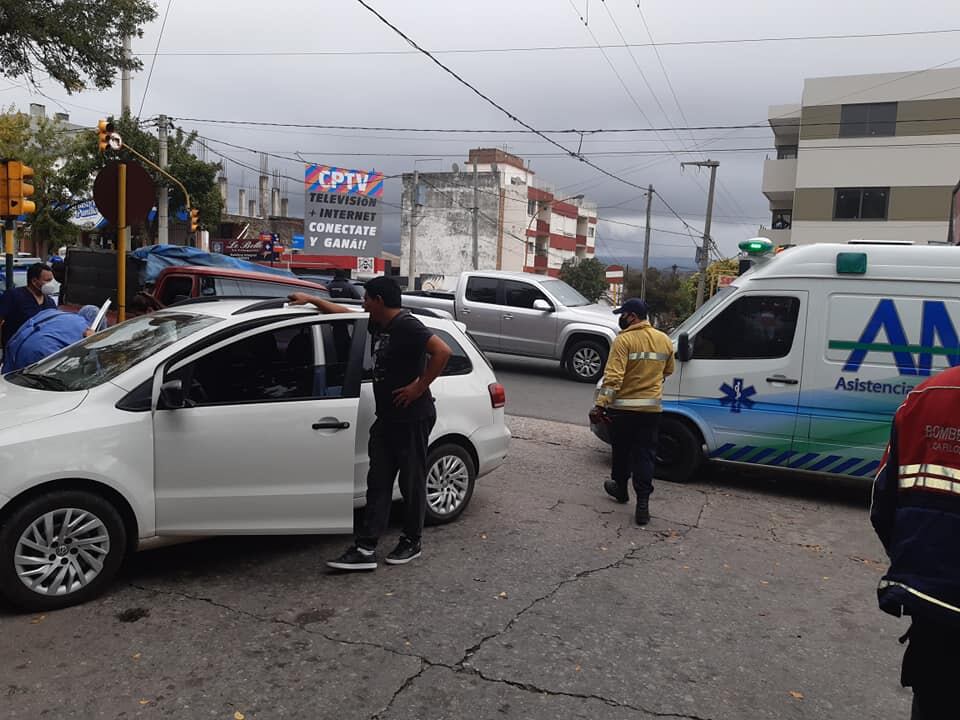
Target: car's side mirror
541,304
172,396
684,349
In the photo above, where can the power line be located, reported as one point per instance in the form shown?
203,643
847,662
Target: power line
550,48
153,63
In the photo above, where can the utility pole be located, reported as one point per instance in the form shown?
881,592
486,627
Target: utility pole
411,261
646,246
125,80
163,204
476,224
705,250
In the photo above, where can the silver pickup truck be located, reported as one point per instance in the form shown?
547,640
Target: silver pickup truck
530,315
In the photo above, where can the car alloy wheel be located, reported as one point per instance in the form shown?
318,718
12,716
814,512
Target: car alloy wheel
448,483
587,362
62,551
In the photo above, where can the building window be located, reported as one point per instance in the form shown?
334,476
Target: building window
868,120
590,231
531,207
786,152
782,219
860,203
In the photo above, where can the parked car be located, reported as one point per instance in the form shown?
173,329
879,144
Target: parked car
214,417
529,315
175,284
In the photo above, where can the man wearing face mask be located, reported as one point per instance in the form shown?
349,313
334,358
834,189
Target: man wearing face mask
22,303
629,401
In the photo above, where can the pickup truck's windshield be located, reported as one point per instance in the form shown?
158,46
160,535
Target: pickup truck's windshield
565,294
104,356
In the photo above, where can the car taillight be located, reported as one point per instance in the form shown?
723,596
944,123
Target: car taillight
498,395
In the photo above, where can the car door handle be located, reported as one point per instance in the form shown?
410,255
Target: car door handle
331,425
508,317
464,311
782,379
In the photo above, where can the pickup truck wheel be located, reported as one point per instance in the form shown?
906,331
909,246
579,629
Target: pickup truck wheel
584,361
451,475
679,454
60,549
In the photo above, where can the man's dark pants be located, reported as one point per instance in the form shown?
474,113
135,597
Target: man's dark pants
396,447
633,436
929,668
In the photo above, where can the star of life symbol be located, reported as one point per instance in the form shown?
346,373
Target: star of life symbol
736,396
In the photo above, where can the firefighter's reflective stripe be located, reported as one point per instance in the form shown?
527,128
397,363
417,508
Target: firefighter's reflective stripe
884,584
930,469
659,357
927,482
636,402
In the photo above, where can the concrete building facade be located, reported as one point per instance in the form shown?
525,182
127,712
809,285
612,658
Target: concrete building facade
521,224
865,157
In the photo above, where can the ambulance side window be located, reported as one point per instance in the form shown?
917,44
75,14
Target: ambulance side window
753,327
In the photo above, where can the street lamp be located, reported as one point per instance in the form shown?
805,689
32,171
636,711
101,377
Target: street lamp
533,217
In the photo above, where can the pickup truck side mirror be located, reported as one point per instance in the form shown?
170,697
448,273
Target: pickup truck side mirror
684,349
541,304
172,396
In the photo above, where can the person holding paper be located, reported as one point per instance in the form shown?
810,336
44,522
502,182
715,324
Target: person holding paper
47,332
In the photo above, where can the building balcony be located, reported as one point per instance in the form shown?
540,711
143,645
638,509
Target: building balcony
540,261
777,237
779,181
581,241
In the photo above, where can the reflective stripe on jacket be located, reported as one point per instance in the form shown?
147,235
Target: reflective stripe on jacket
915,506
641,357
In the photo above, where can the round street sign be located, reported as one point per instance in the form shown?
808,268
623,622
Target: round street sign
141,193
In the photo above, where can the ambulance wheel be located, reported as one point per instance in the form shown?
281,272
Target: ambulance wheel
679,452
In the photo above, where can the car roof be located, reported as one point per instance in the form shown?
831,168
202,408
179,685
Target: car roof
250,308
235,273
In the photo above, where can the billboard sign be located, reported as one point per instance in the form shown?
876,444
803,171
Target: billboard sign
341,215
244,249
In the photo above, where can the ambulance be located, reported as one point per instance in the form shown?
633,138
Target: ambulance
801,362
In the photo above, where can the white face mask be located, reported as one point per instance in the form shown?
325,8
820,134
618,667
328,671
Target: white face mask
50,288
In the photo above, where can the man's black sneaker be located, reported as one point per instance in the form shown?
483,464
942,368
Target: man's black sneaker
615,491
643,512
405,551
355,558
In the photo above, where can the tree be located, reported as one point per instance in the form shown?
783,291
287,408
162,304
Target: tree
588,276
667,297
198,177
43,145
70,40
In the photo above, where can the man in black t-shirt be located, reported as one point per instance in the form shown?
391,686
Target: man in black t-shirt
402,374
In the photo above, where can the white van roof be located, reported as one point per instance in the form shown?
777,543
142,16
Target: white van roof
937,263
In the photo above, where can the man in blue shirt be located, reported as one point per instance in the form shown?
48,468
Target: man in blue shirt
20,304
47,332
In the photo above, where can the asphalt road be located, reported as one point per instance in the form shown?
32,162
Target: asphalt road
540,389
747,597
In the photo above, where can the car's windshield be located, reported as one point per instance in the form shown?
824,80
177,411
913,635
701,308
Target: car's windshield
702,310
565,294
104,356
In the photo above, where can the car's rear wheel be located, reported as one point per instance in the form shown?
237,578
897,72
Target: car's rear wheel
451,474
60,549
679,453
584,360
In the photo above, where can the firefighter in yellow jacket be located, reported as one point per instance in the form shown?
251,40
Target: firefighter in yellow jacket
629,401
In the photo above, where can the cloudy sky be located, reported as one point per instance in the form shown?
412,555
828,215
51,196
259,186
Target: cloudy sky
334,63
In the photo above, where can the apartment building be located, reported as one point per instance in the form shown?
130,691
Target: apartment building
522,224
865,157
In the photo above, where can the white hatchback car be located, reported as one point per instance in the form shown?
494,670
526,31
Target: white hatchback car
213,417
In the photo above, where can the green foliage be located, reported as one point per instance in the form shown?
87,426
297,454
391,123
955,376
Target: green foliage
668,295
198,177
70,40
43,144
588,276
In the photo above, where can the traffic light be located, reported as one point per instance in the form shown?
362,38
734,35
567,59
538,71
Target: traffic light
194,220
19,189
4,192
104,131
